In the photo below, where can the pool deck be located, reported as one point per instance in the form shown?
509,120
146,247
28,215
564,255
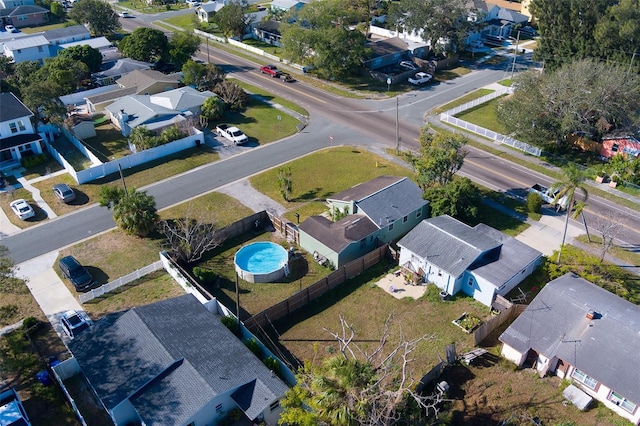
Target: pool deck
396,286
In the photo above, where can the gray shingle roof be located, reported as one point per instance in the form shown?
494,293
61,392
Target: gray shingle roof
606,348
392,203
170,358
145,78
448,243
66,32
338,235
140,110
11,107
26,9
365,189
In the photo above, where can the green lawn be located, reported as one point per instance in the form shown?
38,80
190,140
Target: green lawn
324,173
186,22
268,96
485,116
108,143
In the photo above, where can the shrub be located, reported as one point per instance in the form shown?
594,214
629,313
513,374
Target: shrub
33,160
254,347
230,322
272,364
534,202
30,324
204,275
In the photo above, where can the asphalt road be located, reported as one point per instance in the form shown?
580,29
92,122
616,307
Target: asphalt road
333,120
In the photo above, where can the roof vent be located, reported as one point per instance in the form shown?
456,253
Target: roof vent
592,314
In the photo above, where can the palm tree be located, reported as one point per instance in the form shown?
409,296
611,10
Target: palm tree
572,180
136,213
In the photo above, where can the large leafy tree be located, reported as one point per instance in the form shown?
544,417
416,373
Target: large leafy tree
572,180
584,95
212,108
441,156
100,16
234,96
86,54
136,213
67,72
201,76
145,44
182,46
459,198
443,23
43,98
232,19
567,29
321,39
618,34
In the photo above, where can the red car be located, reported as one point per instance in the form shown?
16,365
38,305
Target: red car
272,70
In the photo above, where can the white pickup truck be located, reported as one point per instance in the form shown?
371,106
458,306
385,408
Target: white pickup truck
549,196
232,134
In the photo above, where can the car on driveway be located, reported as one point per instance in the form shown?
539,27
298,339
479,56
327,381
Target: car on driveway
408,65
22,209
64,192
420,78
74,323
11,29
76,273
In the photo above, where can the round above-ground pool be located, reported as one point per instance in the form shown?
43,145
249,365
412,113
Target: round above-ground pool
261,262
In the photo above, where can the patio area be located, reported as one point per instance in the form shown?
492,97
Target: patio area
398,288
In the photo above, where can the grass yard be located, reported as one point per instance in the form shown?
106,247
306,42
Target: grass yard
255,297
268,96
324,173
484,115
149,289
186,22
16,302
463,100
108,144
135,177
50,166
6,199
142,6
260,122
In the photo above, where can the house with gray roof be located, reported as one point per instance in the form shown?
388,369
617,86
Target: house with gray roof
64,35
24,15
173,362
372,213
17,136
207,10
585,334
479,261
30,48
156,112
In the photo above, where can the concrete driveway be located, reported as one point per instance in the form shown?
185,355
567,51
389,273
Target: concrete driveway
48,289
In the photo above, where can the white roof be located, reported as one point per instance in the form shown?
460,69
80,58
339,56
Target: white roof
26,42
96,43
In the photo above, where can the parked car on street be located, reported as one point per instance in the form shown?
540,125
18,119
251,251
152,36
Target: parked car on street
12,411
125,15
74,323
22,209
420,78
64,192
408,65
76,273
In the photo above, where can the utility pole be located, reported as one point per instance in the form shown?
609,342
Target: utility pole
208,58
632,59
515,55
124,185
397,130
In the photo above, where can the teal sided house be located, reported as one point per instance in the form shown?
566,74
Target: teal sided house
379,211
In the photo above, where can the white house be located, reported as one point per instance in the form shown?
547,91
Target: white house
34,48
206,11
17,137
173,362
479,261
585,334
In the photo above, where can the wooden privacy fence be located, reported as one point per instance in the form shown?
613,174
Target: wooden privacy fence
488,327
287,229
315,290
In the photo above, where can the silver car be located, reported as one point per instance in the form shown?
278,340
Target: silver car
64,192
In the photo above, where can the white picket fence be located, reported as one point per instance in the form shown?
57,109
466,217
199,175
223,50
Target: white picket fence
449,117
106,288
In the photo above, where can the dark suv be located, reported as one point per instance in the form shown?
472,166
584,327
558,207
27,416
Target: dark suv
76,273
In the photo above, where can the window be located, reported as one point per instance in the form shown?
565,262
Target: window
39,48
589,382
23,18
363,242
21,126
13,127
219,408
419,213
621,401
470,282
391,227
274,405
615,147
404,219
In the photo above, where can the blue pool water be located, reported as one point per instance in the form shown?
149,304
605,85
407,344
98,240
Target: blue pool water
261,257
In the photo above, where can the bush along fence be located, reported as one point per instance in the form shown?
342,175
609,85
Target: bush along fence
449,117
302,298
